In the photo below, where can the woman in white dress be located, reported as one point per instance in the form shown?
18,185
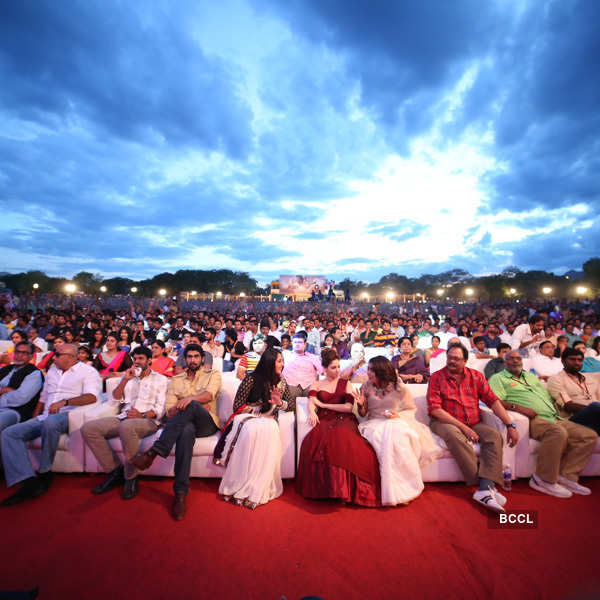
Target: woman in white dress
252,452
402,444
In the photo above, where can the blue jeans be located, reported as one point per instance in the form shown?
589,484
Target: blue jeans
8,417
588,416
17,466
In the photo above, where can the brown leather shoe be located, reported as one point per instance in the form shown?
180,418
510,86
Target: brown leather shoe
178,510
142,460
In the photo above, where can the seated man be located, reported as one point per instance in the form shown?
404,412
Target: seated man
479,350
453,399
20,385
496,364
385,337
301,368
69,383
564,446
527,337
577,396
545,364
141,396
191,408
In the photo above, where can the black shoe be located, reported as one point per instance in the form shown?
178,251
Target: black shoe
31,488
115,478
46,479
130,489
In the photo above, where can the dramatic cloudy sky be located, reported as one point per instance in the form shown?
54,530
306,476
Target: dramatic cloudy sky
339,137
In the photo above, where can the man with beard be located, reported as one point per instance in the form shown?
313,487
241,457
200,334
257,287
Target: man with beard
191,408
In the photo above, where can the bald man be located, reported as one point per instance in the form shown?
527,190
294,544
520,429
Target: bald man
68,384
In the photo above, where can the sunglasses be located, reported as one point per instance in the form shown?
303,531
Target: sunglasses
64,354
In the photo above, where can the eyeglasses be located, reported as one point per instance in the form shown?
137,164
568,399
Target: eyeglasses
22,352
57,354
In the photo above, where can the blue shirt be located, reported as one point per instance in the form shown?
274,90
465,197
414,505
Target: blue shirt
29,387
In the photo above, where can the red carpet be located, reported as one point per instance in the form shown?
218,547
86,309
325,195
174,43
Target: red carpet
75,545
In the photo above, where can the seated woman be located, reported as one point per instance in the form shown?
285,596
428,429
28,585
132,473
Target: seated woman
17,336
403,445
161,363
435,349
112,362
335,461
125,339
48,360
410,363
252,452
98,341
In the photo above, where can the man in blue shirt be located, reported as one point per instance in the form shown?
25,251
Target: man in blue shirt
20,385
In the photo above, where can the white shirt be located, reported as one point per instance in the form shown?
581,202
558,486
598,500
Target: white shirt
522,334
62,385
41,343
146,394
445,338
547,367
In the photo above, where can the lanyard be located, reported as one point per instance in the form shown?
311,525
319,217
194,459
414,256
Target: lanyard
582,386
518,380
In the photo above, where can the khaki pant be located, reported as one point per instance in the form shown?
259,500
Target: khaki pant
131,431
564,449
297,391
490,451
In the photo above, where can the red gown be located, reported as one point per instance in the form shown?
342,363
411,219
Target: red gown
335,460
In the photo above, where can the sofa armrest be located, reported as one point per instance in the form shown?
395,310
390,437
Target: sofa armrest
77,416
302,424
99,410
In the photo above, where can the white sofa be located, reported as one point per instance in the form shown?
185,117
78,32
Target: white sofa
526,451
70,455
202,461
442,469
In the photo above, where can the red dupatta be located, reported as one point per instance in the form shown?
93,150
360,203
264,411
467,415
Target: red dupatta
115,363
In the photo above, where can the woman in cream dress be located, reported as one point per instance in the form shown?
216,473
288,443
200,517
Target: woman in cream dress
402,444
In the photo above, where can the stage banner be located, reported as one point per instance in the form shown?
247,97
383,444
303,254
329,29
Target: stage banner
302,284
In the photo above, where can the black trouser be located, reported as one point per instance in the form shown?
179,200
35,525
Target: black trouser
182,431
588,416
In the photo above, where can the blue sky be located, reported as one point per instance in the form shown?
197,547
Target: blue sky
341,138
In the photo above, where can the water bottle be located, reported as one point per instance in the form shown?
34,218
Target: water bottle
506,478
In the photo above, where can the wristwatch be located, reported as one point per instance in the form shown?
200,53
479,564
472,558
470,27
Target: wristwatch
143,415
510,425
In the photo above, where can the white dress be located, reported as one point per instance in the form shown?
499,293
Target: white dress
403,445
252,452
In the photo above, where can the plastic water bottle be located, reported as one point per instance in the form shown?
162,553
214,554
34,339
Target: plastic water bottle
506,478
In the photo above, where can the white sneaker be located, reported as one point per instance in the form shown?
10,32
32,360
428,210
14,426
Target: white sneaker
499,497
573,486
487,498
552,489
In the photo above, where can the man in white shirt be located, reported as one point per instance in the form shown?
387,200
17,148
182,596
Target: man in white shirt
68,384
527,337
140,396
445,335
545,364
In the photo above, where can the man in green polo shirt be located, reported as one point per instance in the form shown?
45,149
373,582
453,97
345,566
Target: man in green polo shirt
565,447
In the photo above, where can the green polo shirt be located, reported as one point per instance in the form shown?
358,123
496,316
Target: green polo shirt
526,391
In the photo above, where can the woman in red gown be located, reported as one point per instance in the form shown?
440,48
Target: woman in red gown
335,460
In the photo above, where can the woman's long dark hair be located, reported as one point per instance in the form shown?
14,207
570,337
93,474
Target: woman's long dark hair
265,378
384,371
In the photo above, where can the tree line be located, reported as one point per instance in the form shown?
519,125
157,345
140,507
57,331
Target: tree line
512,282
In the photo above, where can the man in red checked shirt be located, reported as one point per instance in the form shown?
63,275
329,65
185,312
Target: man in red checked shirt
453,399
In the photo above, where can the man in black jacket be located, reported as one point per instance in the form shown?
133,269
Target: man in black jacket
20,386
